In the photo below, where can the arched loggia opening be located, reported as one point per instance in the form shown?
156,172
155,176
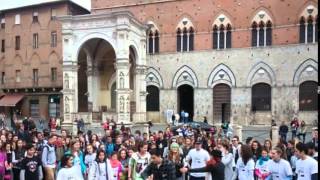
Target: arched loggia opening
185,99
221,103
96,66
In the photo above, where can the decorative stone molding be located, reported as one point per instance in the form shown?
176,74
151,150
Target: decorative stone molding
185,23
154,78
185,75
221,74
308,70
221,20
261,73
310,10
262,16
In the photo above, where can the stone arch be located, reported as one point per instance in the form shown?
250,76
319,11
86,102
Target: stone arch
154,78
221,74
306,71
185,22
309,9
152,26
112,79
90,36
262,14
261,73
221,19
185,75
133,45
35,60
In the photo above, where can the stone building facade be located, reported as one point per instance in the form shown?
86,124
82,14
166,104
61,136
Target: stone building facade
244,62
31,58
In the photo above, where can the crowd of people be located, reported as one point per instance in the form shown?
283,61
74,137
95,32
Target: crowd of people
119,154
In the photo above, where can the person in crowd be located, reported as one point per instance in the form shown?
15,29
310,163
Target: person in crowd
198,158
312,151
294,127
279,168
101,168
214,166
18,156
245,164
109,146
138,162
256,150
306,166
31,167
159,168
261,171
176,158
9,164
89,157
78,157
48,158
267,144
68,171
227,159
236,146
302,131
124,159
182,116
161,142
290,149
283,131
115,166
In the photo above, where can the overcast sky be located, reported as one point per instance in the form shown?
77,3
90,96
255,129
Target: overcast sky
9,4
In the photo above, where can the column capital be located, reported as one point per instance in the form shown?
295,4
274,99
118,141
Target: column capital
122,64
141,69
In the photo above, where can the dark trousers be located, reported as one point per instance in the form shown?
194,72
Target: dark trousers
16,173
283,136
303,136
197,178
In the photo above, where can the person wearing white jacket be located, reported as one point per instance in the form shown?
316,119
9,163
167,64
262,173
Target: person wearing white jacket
101,168
227,160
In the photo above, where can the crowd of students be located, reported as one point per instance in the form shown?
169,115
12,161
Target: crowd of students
120,154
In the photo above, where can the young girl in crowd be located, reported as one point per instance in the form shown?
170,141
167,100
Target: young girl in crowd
123,158
18,155
9,164
77,157
90,157
261,170
227,159
116,166
101,168
245,164
68,171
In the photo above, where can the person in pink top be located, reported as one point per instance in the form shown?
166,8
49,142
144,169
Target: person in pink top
3,161
116,166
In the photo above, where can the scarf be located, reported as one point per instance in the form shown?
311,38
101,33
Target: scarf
261,159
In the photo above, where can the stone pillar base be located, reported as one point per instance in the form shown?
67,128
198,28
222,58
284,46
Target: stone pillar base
275,134
238,131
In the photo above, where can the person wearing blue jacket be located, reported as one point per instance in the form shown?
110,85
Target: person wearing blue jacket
78,157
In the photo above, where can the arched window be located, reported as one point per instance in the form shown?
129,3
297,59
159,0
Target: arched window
302,30
150,42
269,34
228,36
254,33
308,97
156,42
221,37
215,37
310,30
191,39
185,40
152,98
261,34
261,97
179,40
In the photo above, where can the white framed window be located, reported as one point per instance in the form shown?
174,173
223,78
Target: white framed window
153,42
35,41
18,76
17,19
54,39
35,17
3,23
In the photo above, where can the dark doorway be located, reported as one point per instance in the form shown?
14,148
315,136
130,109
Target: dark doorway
185,99
82,83
221,103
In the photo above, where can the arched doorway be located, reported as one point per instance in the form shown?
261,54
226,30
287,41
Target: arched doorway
221,103
185,99
96,66
152,98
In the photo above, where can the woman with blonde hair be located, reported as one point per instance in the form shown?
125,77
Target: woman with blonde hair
267,144
175,157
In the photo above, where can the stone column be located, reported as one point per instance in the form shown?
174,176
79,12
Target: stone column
275,134
122,67
140,94
238,131
70,93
